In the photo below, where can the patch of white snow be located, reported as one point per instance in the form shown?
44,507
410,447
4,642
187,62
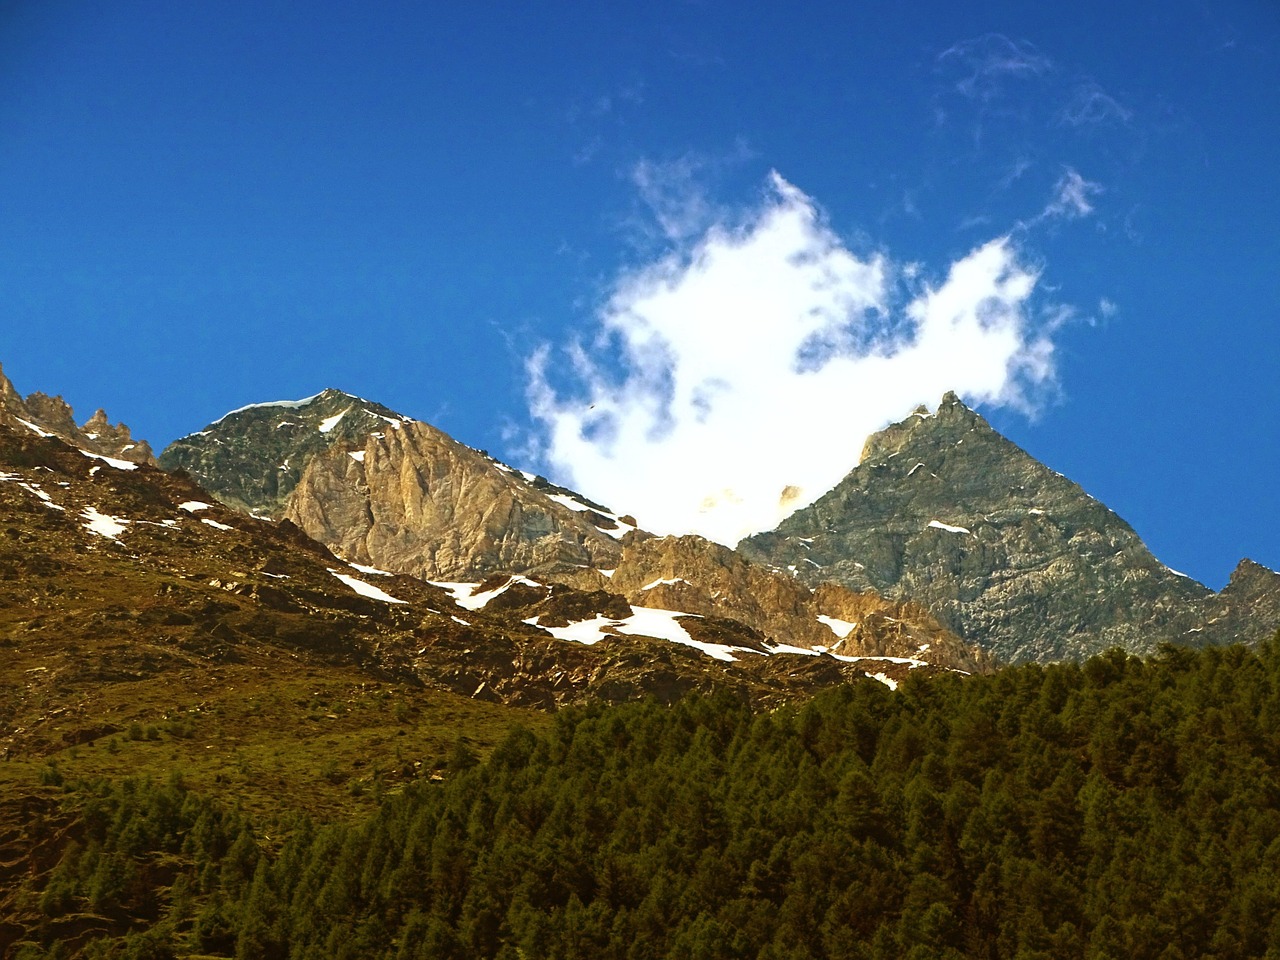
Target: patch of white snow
33,428
328,423
841,628
664,583
288,404
112,461
102,524
366,589
372,571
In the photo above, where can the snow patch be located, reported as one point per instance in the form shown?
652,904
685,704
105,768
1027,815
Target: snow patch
102,524
194,506
841,628
327,424
578,506
662,583
939,525
215,524
643,622
372,571
365,589
112,461
288,404
887,681
33,428
356,455
463,596
805,651
44,497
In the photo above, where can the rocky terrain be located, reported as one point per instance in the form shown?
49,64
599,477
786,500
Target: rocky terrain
416,501
53,416
1246,610
252,458
382,488
1010,555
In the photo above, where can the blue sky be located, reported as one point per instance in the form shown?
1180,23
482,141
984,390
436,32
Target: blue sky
204,205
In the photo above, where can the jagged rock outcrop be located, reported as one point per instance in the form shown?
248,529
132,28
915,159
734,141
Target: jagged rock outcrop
413,500
42,414
1010,555
1246,610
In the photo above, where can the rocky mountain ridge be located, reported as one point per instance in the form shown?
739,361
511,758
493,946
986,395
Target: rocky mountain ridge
407,498
946,543
1006,552
52,416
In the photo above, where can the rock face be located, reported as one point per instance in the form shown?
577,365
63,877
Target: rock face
252,458
413,500
1010,555
386,490
45,415
1246,610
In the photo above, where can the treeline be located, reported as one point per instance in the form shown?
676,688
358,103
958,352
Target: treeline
1118,808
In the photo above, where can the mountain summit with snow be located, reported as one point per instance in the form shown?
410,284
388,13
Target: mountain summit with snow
253,457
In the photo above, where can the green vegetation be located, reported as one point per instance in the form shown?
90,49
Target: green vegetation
1118,808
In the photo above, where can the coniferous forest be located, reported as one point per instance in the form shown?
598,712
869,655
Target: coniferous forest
1116,808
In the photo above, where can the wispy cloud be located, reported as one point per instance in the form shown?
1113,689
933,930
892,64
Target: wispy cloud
735,377
985,65
1072,196
675,193
1091,105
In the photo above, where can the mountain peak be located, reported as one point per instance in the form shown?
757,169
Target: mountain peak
950,417
52,416
253,457
1004,551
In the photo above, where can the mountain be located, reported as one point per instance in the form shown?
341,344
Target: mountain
943,510
253,457
117,576
52,416
402,496
385,489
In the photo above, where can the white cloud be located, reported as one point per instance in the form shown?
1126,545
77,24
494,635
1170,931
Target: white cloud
753,361
1072,196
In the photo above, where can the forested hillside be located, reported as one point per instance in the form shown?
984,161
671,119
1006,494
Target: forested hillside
1118,808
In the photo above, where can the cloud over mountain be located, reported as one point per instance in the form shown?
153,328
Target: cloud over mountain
735,378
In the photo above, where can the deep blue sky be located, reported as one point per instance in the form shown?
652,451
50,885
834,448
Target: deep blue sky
204,205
